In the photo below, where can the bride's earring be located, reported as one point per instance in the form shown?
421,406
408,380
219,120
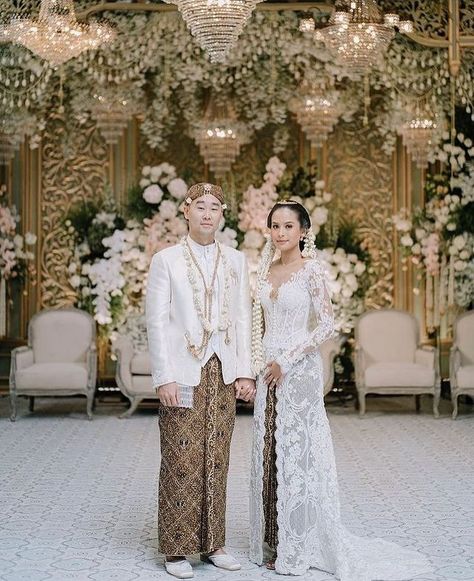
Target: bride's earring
309,250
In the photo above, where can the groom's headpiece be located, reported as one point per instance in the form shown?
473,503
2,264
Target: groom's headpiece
201,189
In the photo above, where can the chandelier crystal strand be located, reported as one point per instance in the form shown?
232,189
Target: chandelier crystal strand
220,136
360,35
317,110
55,35
216,24
421,133
112,109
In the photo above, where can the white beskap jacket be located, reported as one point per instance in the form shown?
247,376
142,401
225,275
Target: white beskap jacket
170,313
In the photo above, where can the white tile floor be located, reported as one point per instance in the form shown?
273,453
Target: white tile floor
78,498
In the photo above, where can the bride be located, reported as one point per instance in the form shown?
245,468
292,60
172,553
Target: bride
294,502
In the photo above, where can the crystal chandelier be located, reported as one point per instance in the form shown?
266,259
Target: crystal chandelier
55,35
360,34
216,24
421,134
112,111
317,110
220,136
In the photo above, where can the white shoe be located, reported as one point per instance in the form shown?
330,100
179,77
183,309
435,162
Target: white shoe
225,561
180,569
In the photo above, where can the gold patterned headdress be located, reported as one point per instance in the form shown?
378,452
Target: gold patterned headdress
201,189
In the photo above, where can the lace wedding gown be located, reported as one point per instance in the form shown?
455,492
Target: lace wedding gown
310,532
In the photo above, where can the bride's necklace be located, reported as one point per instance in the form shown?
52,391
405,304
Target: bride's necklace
204,311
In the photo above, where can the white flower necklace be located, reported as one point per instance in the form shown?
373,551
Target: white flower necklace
204,311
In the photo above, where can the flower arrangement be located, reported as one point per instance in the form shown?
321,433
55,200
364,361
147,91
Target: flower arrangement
438,239
111,252
16,254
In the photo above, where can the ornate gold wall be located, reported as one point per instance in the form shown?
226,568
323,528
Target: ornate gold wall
75,164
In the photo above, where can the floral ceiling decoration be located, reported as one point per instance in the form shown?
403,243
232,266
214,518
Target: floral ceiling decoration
155,53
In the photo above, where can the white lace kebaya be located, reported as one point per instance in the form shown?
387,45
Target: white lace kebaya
310,531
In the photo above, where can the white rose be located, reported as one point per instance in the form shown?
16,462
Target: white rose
416,248
351,281
146,171
254,239
320,185
144,183
459,242
464,254
155,173
352,258
168,210
86,268
455,198
327,197
178,188
406,240
334,287
18,241
86,291
30,238
347,292
75,281
153,194
459,265
420,233
451,226
345,266
359,268
320,216
72,268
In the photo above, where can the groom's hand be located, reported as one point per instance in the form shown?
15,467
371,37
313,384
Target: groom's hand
245,389
169,394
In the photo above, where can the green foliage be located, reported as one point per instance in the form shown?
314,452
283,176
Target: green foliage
81,216
299,183
465,219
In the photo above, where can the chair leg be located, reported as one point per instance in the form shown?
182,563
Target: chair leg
455,406
361,403
12,407
32,404
436,398
133,406
90,405
417,403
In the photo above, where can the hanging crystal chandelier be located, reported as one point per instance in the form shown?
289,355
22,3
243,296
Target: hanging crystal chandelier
421,133
112,110
360,34
216,24
220,136
55,35
317,110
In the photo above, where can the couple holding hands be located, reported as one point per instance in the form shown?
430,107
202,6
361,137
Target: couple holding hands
208,346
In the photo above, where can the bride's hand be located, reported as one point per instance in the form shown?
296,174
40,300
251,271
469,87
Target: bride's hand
273,377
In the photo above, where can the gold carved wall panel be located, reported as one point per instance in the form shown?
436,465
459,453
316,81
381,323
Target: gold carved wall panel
74,167
359,175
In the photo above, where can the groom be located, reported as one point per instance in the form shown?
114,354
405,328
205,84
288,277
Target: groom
199,333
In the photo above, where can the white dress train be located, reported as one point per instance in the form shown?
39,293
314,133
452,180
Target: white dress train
310,532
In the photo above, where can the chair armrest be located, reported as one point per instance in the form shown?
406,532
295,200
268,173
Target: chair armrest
21,357
360,364
123,349
454,364
426,356
91,361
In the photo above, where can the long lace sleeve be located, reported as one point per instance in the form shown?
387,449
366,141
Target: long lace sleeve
322,306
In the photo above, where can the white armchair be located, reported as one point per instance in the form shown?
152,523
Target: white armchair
329,350
133,373
389,359
461,360
60,359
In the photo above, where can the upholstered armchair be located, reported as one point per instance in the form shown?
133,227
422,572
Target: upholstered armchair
329,350
461,360
133,373
60,359
389,359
